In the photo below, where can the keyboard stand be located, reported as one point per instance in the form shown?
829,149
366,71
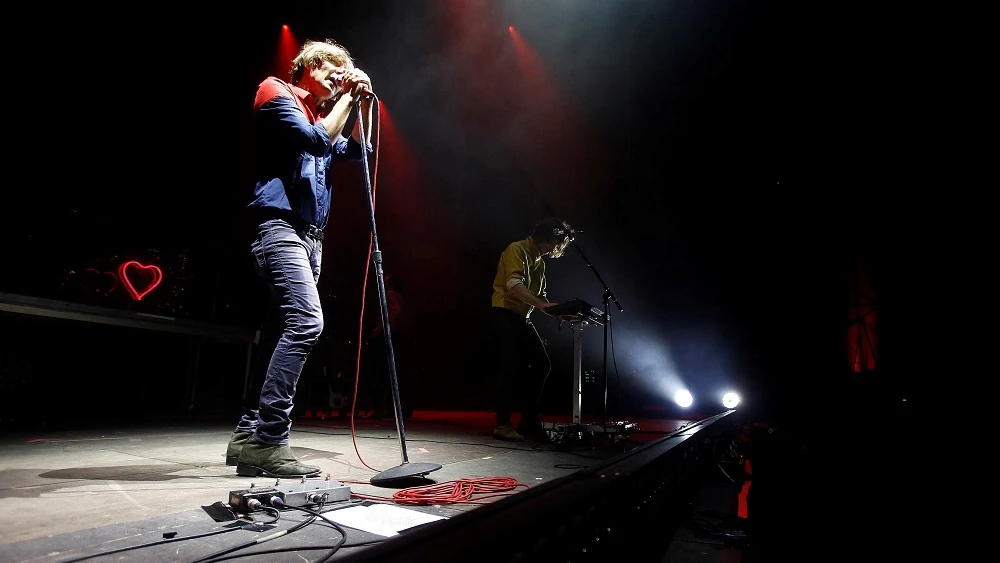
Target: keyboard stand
577,369
577,430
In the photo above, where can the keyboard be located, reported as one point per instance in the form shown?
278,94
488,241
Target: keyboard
577,310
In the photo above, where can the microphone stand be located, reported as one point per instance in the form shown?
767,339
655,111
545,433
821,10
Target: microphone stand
405,470
606,299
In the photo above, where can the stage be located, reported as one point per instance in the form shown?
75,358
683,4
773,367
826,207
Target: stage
751,485
145,492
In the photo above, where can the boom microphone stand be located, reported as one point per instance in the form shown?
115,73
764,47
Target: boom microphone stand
405,470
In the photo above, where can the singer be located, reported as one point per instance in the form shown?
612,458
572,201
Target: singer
522,361
298,130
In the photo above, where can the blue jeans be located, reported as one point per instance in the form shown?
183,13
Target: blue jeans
289,261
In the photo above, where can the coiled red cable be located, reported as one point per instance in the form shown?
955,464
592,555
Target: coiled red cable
463,490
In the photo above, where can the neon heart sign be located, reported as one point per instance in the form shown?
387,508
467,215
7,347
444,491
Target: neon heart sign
152,274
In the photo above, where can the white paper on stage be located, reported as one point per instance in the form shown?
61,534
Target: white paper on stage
381,519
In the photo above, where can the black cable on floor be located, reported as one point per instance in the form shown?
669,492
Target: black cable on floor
162,542
257,541
299,548
314,514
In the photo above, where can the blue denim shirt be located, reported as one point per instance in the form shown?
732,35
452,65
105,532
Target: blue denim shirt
293,154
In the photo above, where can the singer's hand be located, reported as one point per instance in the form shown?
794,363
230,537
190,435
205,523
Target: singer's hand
356,82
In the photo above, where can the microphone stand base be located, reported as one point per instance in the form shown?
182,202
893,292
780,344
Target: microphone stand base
403,471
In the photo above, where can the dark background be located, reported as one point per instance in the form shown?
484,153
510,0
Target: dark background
731,166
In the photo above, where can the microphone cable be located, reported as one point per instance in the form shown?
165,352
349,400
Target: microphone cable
376,121
465,490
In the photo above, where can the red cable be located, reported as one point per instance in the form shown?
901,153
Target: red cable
462,490
451,492
448,492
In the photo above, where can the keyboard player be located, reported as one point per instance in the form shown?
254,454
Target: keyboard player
522,363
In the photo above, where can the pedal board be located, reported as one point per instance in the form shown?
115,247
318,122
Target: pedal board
561,431
313,491
302,492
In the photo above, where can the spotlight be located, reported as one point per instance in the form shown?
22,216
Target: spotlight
683,398
730,400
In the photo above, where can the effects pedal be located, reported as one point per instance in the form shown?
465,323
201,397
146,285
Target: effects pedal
302,492
312,491
241,500
564,432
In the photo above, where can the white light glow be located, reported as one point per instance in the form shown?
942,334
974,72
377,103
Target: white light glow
730,400
683,398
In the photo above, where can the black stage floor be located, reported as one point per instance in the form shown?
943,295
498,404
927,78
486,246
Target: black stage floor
146,492
717,489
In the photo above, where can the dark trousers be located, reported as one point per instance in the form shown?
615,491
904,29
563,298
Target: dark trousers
522,365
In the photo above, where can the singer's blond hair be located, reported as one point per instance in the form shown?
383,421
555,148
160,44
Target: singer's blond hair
314,53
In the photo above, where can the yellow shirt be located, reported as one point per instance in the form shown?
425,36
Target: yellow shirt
520,261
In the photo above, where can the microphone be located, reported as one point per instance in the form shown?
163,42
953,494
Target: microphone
569,233
338,80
